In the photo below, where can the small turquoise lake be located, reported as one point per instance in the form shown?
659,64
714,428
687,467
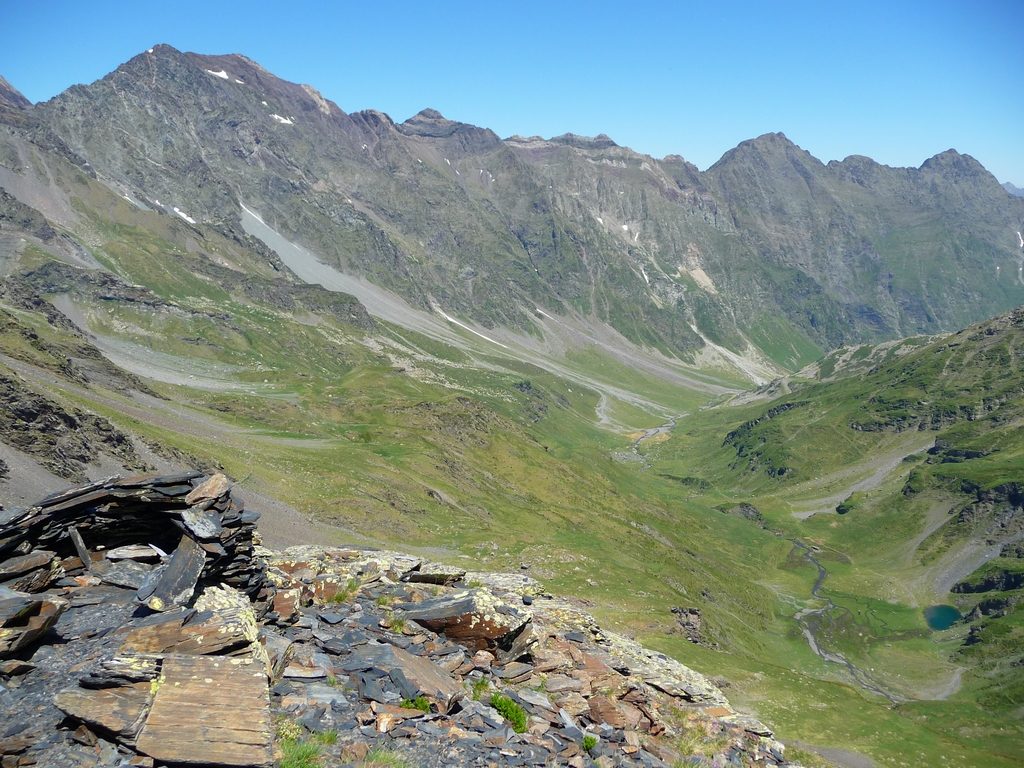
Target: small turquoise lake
941,616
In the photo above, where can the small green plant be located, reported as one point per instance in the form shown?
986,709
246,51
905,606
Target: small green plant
480,688
346,594
332,681
397,624
288,730
378,757
385,600
474,583
422,703
327,738
299,754
512,712
589,742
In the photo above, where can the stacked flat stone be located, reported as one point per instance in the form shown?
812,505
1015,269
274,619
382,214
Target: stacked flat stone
194,530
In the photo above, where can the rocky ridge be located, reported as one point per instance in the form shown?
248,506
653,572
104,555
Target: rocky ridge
141,624
769,242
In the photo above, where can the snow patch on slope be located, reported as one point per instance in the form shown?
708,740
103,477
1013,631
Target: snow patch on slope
283,120
184,215
222,74
452,320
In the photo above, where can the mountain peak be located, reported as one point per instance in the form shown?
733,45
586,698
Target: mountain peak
951,158
430,123
772,138
770,148
11,96
956,166
601,141
428,114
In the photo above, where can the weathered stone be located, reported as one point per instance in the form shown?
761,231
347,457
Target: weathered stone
516,645
475,618
119,710
414,676
604,709
286,604
562,683
83,553
16,566
210,711
141,552
175,583
127,573
15,667
435,573
213,488
202,522
122,670
25,618
189,632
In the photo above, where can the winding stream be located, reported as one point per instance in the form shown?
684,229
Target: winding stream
811,620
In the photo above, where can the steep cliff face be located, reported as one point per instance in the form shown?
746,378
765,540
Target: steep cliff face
769,248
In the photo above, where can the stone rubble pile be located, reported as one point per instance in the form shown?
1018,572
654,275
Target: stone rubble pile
140,625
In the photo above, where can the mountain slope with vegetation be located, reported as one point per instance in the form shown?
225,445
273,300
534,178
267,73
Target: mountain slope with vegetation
770,253
422,335
903,478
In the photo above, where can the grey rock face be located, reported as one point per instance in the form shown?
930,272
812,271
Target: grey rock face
445,212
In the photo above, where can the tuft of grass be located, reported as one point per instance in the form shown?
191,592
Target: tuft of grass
379,757
327,738
480,688
397,624
300,754
422,703
512,712
346,594
589,742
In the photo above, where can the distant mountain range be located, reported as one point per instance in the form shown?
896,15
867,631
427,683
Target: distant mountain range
536,355
769,254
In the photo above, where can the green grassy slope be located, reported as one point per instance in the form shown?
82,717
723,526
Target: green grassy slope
473,456
905,475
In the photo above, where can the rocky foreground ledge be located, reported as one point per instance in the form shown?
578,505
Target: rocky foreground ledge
142,625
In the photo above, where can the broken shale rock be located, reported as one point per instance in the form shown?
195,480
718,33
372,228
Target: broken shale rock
211,712
475,618
24,618
376,648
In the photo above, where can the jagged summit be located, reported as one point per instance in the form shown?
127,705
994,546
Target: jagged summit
11,96
430,123
956,164
601,141
767,148
208,131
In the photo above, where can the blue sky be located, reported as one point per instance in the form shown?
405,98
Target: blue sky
898,80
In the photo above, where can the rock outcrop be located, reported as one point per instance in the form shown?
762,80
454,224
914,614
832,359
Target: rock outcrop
114,652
